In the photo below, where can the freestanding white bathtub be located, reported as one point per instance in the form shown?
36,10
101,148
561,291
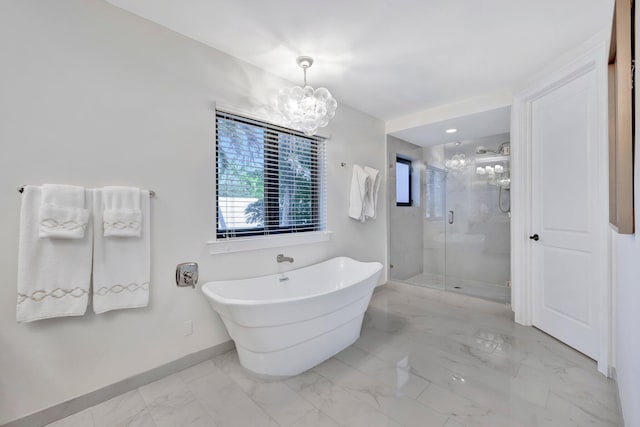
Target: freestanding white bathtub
284,324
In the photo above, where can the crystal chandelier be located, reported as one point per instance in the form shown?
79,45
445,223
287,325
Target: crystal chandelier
305,108
457,163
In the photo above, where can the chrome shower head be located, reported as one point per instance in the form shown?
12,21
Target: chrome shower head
485,150
500,150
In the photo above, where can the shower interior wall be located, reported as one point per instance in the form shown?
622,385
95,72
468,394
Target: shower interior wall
406,222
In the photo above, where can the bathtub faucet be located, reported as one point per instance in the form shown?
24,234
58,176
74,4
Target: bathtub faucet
282,258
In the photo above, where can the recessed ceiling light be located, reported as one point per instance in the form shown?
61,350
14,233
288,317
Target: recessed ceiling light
452,130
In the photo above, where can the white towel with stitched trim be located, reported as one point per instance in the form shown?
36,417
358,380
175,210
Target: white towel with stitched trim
121,266
62,212
54,274
122,216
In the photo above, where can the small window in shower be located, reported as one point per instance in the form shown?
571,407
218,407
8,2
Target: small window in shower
403,182
435,190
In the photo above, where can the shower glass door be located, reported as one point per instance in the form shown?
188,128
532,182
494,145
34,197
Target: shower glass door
453,232
435,214
477,223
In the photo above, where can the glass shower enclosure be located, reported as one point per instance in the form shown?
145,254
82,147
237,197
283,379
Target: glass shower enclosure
464,199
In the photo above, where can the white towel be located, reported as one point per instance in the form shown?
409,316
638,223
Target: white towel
122,216
371,201
53,274
121,267
360,183
62,212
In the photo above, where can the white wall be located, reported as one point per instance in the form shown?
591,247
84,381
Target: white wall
91,95
626,295
626,266
405,222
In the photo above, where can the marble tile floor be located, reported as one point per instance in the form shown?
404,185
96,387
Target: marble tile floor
425,358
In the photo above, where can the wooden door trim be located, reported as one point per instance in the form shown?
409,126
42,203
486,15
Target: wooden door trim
621,120
595,60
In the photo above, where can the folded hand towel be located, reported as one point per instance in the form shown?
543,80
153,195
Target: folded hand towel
121,267
53,274
360,183
122,216
62,212
371,201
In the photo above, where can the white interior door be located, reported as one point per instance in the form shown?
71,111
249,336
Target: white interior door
566,262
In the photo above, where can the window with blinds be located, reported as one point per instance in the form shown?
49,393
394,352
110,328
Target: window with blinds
269,179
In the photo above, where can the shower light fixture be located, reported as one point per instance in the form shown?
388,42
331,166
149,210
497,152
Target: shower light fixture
495,175
458,162
452,130
305,108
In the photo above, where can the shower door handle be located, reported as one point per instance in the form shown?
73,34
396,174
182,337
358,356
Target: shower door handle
450,217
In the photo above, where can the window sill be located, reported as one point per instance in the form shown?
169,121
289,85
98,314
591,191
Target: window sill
240,244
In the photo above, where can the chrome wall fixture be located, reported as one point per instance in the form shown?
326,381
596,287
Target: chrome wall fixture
187,274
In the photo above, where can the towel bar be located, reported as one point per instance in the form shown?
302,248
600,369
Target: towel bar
151,192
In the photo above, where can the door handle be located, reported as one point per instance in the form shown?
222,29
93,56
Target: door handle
450,217
535,237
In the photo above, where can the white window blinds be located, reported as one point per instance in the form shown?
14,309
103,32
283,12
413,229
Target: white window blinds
269,179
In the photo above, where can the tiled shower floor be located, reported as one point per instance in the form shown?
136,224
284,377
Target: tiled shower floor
472,288
425,358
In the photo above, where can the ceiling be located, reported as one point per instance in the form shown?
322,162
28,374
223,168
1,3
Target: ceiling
389,58
468,127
